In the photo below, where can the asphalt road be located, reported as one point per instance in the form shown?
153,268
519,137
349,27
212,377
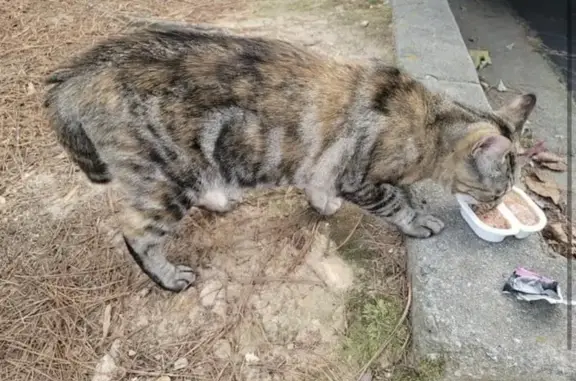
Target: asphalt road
549,20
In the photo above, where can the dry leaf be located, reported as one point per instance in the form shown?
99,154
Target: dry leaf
106,321
548,157
543,175
481,58
547,189
555,166
557,232
71,194
534,150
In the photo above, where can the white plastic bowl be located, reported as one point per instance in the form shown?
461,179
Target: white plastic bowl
516,228
526,230
486,232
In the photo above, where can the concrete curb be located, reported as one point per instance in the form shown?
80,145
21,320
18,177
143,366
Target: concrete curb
428,41
459,312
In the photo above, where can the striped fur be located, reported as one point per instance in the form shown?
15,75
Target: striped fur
179,117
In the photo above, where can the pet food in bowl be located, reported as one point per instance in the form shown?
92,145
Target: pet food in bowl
491,216
520,209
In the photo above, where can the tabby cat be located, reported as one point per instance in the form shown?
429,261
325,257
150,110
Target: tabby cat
180,117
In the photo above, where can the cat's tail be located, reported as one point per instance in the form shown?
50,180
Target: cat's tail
70,132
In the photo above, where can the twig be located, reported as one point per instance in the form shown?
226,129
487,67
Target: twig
351,233
155,374
404,345
391,337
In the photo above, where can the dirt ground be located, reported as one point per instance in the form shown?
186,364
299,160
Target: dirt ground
282,294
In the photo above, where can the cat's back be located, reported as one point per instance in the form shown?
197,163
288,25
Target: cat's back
191,53
203,69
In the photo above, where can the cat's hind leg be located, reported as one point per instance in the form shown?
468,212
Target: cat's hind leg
148,221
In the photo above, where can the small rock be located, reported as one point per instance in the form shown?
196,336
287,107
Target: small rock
115,348
330,268
181,363
510,46
210,293
365,23
144,292
30,89
251,358
131,353
142,321
105,369
220,308
223,350
366,376
501,87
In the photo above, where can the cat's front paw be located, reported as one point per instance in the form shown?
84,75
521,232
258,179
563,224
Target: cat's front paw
424,226
323,203
178,279
332,205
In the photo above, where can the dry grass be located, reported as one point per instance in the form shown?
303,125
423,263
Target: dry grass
68,291
58,284
52,290
37,35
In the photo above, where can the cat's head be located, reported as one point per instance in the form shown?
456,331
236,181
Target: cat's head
489,163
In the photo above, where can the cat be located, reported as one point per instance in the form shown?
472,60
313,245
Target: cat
179,117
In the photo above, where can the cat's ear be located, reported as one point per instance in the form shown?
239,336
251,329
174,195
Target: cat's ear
517,111
491,149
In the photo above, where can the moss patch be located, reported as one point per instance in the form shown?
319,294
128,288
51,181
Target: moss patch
371,322
427,370
355,247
